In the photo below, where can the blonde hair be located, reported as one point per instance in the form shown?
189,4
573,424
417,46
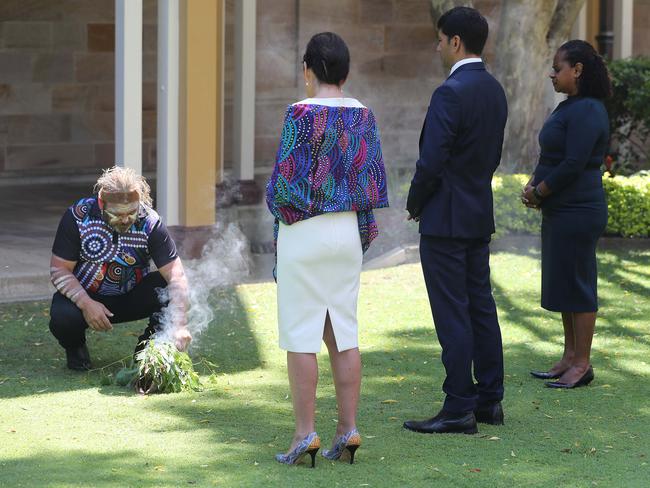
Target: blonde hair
124,180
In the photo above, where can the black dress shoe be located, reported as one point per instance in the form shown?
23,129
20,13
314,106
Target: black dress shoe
445,423
584,381
545,375
490,414
78,358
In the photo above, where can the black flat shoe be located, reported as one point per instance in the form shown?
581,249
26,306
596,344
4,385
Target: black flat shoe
445,423
78,358
584,381
490,414
545,375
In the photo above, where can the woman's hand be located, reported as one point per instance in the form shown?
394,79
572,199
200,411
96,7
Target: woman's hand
529,198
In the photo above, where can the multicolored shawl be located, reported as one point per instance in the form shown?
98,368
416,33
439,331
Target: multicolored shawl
329,160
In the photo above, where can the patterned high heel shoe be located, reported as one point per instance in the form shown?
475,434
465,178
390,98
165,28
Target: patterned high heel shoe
344,445
309,445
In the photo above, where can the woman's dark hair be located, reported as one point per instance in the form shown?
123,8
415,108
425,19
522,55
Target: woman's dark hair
468,24
594,80
328,57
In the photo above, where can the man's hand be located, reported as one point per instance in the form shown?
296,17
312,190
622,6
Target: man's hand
414,219
177,287
182,338
96,314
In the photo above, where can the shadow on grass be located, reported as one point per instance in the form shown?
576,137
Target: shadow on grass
546,432
32,362
228,342
122,468
611,269
551,438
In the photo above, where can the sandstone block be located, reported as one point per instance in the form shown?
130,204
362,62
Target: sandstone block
149,67
92,127
53,67
410,38
68,35
377,11
101,37
337,12
16,67
149,95
413,12
94,67
266,148
149,38
21,10
275,11
73,98
24,98
38,129
49,156
4,128
19,35
274,68
87,11
104,155
104,100
149,124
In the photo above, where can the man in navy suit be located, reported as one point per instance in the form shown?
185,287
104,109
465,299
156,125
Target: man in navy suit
451,198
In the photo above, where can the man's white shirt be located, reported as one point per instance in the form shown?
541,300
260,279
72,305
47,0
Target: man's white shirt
463,62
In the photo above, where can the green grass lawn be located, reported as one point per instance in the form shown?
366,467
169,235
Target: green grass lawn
61,428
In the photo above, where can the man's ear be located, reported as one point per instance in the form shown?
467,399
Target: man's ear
100,201
456,43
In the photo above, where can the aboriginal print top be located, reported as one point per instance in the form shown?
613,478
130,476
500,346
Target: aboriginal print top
110,263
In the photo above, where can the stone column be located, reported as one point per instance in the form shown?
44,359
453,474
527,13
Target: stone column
167,199
579,30
201,19
244,101
623,28
128,84
200,112
605,37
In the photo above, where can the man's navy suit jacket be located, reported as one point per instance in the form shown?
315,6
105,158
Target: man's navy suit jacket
460,149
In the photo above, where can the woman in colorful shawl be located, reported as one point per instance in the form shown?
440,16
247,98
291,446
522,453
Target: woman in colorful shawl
328,177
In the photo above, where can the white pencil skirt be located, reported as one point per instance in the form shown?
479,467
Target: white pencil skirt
318,270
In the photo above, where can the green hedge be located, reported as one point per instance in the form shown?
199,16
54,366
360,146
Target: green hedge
628,203
510,215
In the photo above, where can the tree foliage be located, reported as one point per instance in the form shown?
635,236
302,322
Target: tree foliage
629,114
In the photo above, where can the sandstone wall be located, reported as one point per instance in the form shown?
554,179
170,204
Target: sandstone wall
57,76
641,35
57,85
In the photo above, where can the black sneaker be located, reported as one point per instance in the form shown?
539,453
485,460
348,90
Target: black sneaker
78,358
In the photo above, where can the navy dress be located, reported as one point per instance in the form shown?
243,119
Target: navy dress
573,142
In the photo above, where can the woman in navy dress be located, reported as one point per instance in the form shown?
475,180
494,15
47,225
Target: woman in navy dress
567,187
